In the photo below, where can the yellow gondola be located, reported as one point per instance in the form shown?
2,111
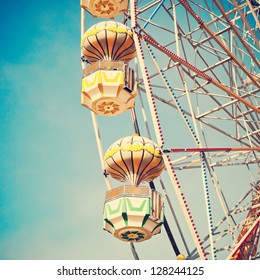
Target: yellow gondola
104,8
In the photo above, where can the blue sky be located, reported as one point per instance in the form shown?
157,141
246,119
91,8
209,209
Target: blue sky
44,133
51,184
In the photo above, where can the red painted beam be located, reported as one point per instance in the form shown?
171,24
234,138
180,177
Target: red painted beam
190,150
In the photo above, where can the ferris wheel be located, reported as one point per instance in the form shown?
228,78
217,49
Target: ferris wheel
184,77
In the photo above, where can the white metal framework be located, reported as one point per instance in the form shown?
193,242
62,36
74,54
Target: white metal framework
198,98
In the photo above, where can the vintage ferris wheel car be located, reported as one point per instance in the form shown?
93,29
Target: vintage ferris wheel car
104,8
196,67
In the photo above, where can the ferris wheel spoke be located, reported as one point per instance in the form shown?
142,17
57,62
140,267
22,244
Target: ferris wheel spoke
217,40
200,73
153,111
166,224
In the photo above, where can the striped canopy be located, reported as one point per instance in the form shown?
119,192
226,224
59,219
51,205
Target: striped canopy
108,41
134,159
